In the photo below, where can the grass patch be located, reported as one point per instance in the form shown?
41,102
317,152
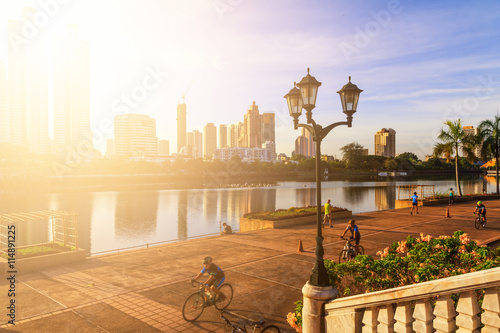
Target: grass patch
39,250
282,214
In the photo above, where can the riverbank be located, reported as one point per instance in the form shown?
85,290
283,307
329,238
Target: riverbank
144,290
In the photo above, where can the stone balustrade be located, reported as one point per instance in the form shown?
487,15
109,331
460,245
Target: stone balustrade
424,307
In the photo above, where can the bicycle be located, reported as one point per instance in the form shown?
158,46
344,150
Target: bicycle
479,221
255,324
349,251
197,302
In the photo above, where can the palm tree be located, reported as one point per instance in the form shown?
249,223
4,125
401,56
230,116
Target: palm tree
489,130
453,140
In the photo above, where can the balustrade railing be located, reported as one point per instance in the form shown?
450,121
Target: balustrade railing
423,307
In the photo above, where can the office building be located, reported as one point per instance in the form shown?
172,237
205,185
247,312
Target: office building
181,126
301,144
209,140
385,142
71,92
223,136
471,130
268,127
271,147
236,135
253,127
135,136
163,148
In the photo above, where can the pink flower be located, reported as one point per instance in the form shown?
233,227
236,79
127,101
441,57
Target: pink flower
439,247
464,239
401,247
292,321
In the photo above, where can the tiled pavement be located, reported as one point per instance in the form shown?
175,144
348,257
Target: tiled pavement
144,290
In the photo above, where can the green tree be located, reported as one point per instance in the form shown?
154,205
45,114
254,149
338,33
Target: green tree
454,139
489,131
408,156
352,154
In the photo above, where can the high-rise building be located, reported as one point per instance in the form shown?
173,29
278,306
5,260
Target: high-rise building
385,142
236,135
223,136
271,146
163,148
197,144
4,111
181,126
253,127
301,144
135,135
268,127
471,130
209,140
71,91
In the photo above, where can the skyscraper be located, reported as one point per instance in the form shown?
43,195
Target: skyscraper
71,91
385,142
163,147
209,139
27,89
253,127
268,127
222,136
181,126
135,135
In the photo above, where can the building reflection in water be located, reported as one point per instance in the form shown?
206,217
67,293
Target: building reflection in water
355,194
385,197
305,197
136,214
182,211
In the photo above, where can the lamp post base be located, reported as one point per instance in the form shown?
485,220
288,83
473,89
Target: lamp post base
315,297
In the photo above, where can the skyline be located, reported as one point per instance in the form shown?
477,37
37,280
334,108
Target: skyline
414,61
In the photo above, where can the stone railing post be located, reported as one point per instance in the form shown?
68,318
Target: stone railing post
313,320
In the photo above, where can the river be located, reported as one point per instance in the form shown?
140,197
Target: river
110,220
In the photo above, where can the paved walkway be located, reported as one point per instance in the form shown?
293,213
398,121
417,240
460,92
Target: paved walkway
144,290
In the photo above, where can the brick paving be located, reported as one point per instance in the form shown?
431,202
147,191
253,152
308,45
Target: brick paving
144,290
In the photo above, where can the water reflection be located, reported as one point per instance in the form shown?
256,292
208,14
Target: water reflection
112,220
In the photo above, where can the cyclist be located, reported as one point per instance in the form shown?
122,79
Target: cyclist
353,228
481,210
215,279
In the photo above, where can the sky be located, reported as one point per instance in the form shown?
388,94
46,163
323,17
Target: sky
418,63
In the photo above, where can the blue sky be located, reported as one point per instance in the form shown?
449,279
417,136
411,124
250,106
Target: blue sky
418,62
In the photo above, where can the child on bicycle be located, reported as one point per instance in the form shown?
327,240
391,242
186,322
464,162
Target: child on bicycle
215,279
353,228
481,210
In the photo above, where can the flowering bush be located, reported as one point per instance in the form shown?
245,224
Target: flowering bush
282,214
294,319
411,261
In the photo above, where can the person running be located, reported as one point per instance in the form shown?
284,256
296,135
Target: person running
328,214
414,203
355,234
451,197
215,277
481,210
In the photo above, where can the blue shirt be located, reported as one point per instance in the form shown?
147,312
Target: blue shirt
414,198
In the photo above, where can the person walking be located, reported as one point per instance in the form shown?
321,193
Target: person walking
451,197
328,214
414,203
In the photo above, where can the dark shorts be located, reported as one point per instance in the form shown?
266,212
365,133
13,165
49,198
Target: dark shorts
414,203
217,282
483,212
357,238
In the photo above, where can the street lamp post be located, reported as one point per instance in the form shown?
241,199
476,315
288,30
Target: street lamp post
305,97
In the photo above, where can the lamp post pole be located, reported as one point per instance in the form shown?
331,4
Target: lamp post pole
317,291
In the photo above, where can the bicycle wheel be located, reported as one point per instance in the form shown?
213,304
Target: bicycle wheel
360,250
343,256
477,223
193,307
271,329
227,290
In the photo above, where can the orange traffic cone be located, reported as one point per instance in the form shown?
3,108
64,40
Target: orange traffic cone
447,212
300,249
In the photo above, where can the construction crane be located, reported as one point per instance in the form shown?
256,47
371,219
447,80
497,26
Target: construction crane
185,93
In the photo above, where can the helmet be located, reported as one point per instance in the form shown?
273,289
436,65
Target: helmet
207,260
479,202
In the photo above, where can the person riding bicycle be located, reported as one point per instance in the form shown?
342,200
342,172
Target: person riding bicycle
353,228
481,210
215,279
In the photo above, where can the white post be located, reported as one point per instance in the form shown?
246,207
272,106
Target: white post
313,317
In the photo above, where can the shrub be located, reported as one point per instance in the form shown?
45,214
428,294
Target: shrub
282,214
411,261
